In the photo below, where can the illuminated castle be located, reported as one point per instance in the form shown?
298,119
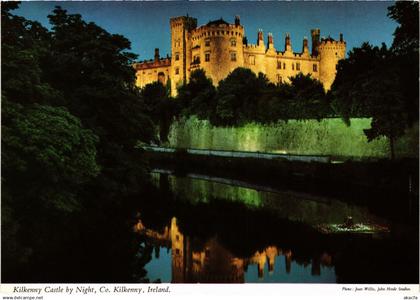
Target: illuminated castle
219,47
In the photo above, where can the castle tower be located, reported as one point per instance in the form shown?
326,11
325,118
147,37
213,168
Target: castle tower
181,28
178,253
219,45
330,52
315,33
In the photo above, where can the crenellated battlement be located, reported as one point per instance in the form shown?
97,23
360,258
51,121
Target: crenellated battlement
251,47
228,30
183,22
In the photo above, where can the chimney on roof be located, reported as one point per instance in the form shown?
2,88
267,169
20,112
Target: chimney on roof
288,43
305,45
270,40
157,57
260,39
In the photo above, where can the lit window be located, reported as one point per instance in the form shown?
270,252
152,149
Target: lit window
315,68
176,71
207,42
207,57
176,56
233,42
278,64
251,60
233,56
298,66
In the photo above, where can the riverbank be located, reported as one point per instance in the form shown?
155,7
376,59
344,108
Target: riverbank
388,188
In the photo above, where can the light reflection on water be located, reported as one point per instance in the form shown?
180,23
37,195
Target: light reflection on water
293,206
176,259
215,230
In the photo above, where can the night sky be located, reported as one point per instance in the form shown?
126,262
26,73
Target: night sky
146,24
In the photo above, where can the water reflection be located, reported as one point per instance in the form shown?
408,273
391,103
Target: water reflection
194,260
212,230
294,206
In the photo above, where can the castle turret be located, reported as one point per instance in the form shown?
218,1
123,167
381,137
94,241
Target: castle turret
330,52
315,34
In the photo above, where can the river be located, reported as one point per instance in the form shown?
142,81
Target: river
216,230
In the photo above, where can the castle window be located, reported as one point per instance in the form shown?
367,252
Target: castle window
279,79
315,68
298,66
196,59
284,66
293,66
177,251
233,42
207,42
176,56
251,59
207,57
233,56
278,64
176,71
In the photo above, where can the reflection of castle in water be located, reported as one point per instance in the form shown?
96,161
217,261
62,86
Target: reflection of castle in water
213,263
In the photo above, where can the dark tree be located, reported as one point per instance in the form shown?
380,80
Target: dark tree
405,49
70,120
308,99
197,96
159,106
237,97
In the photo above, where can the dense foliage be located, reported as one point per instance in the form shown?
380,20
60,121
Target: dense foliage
71,117
382,83
244,97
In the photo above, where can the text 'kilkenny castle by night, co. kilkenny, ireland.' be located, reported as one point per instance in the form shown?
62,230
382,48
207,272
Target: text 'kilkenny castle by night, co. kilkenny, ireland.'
219,47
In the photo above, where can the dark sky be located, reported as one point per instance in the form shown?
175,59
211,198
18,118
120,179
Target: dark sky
146,24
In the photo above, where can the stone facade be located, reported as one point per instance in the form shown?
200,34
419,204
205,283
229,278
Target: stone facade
219,47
